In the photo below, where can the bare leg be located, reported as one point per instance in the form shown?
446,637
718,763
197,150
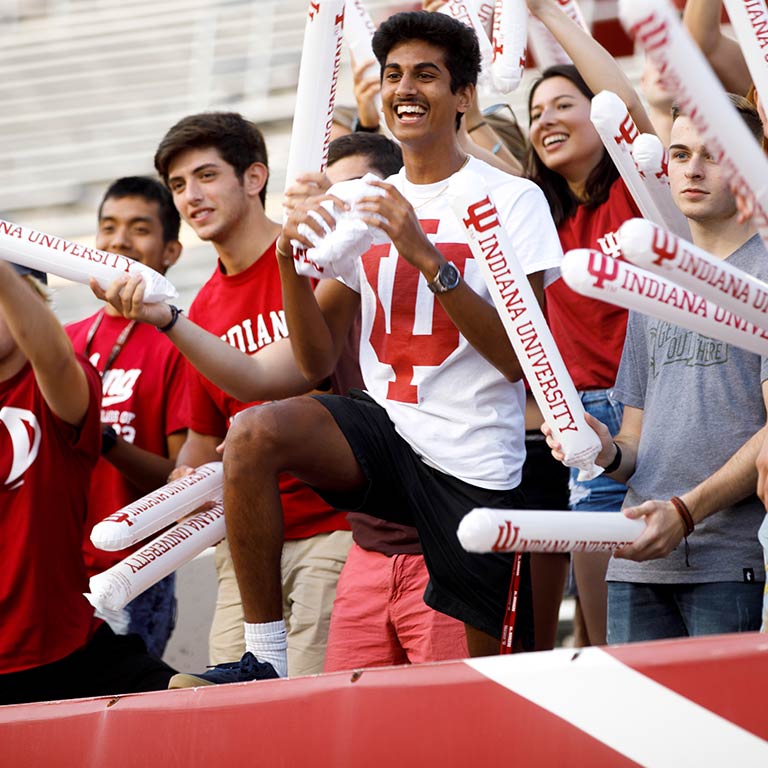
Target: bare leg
297,435
480,643
580,634
589,569
548,576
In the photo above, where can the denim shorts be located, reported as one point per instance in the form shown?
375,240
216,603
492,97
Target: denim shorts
601,494
640,612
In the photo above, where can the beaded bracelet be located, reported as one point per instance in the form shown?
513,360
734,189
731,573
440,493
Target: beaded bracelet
685,515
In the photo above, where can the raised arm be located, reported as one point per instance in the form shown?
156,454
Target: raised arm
599,69
477,320
269,374
702,19
318,321
43,341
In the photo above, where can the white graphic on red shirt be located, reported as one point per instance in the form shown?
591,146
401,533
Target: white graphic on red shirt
118,385
24,430
401,336
247,338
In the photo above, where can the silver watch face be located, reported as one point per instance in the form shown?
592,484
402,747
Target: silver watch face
448,276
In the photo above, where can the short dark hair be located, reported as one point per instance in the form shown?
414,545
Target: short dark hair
238,141
154,192
562,202
382,153
744,107
457,40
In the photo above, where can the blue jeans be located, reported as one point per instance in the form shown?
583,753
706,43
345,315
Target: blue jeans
638,612
152,615
601,494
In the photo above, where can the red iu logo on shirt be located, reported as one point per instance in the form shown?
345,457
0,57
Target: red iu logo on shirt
397,343
25,433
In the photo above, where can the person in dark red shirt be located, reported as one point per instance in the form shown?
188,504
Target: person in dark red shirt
51,646
216,167
144,393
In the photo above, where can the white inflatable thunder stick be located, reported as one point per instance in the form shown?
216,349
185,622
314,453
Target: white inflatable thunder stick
316,89
652,160
466,13
156,510
531,530
510,36
661,252
76,262
544,46
749,20
686,75
524,323
358,32
618,132
116,587
594,274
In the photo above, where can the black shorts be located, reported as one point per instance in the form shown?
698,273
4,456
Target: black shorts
108,664
403,489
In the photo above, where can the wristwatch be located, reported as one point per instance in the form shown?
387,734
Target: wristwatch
357,127
108,438
446,279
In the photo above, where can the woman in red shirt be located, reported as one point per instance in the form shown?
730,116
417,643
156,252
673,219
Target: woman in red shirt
589,201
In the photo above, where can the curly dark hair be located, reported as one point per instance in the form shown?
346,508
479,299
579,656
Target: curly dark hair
457,40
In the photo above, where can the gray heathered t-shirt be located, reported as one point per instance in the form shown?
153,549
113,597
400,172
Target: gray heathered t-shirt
701,401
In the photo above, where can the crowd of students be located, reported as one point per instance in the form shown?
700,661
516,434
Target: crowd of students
360,418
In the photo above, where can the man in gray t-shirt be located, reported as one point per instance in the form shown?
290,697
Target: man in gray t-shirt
693,424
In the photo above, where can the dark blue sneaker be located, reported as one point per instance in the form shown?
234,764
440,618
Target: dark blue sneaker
248,668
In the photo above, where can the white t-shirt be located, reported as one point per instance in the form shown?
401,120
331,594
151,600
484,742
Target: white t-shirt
452,406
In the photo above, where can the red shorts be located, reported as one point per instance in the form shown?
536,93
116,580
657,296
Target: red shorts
379,617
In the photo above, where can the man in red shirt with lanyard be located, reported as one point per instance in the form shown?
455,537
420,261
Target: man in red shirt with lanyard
144,404
215,165
51,645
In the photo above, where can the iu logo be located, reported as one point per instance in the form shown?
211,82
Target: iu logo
602,268
313,9
609,245
627,131
25,433
121,517
507,537
482,216
394,336
664,246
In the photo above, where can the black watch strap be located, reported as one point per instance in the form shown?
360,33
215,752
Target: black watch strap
357,128
108,438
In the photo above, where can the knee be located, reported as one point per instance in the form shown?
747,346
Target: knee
254,439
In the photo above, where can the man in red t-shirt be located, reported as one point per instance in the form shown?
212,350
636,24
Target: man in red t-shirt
215,165
51,646
144,404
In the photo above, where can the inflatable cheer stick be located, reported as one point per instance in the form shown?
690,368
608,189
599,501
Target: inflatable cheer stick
156,510
524,530
76,262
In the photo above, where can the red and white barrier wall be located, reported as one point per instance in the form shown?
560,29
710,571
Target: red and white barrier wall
673,703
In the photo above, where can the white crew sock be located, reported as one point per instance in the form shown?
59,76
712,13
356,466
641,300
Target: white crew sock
267,642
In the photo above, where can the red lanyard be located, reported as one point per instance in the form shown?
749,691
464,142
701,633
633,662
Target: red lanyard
508,630
119,343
